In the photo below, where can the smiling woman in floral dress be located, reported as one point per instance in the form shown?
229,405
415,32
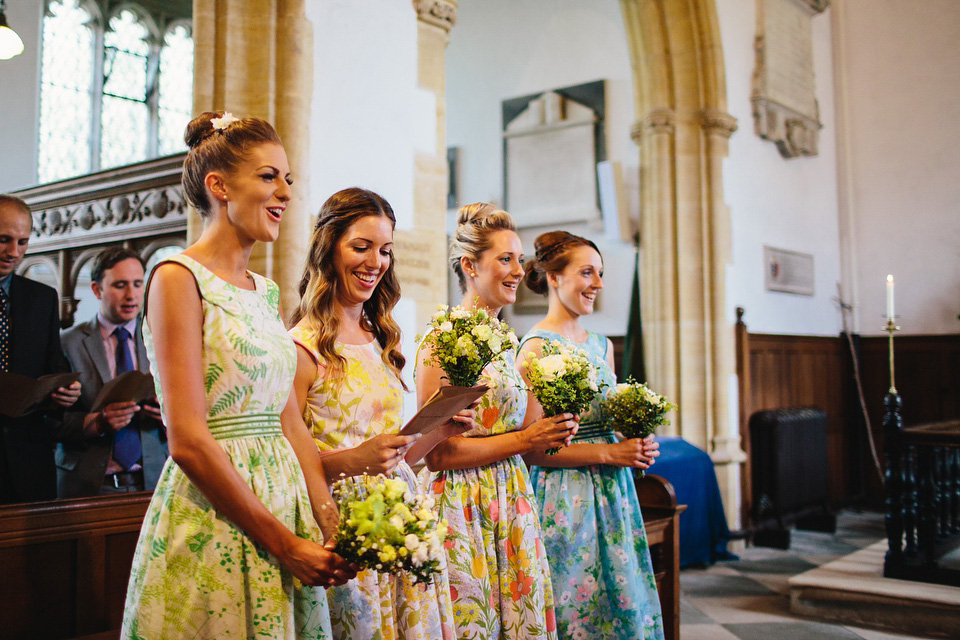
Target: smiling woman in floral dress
592,526
499,579
230,543
350,393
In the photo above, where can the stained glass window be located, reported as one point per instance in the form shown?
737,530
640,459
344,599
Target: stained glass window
124,116
66,91
176,89
116,95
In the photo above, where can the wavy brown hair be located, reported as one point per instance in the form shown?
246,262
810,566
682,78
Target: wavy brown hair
320,284
552,255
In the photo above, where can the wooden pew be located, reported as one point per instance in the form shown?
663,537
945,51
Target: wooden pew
661,518
65,565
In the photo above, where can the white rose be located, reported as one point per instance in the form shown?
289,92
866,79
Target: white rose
552,367
411,541
459,313
446,326
482,331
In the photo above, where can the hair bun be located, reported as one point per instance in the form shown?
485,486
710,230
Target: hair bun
535,277
200,128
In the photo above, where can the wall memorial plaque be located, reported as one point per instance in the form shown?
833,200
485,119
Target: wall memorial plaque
785,109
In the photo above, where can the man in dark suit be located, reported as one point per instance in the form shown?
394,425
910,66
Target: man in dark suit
30,346
123,447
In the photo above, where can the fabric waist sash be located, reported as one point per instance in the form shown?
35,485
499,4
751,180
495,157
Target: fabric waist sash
247,425
592,430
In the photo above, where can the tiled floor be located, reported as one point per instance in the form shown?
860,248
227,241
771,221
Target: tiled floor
749,598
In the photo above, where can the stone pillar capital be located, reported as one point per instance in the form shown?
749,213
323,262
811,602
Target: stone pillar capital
657,121
439,13
715,121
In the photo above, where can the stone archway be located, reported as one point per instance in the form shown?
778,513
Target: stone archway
682,129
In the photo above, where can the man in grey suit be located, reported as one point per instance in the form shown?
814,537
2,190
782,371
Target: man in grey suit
123,447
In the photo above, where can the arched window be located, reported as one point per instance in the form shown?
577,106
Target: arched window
116,88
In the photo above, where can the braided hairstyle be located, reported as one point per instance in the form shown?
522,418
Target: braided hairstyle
551,255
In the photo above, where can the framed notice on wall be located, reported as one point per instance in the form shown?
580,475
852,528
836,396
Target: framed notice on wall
788,271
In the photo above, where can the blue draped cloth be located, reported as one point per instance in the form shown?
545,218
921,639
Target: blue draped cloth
703,526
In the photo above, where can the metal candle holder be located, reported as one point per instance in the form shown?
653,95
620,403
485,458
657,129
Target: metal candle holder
891,328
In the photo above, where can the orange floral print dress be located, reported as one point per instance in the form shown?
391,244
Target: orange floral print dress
499,577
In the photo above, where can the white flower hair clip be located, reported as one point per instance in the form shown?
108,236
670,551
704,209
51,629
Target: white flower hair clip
224,121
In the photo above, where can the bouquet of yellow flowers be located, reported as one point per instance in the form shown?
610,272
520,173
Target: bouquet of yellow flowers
562,379
385,528
634,410
464,341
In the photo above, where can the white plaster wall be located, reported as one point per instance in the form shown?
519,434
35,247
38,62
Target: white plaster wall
501,49
19,99
368,118
784,203
900,61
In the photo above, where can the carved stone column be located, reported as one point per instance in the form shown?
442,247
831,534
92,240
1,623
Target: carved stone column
427,275
255,57
682,130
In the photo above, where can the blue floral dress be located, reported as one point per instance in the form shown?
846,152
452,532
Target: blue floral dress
499,577
593,531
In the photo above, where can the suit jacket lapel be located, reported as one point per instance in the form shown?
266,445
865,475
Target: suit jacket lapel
93,343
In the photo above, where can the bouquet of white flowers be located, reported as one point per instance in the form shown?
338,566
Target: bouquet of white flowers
465,341
385,528
562,379
634,410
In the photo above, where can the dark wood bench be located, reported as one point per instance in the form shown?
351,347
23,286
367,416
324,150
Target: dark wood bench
661,517
66,563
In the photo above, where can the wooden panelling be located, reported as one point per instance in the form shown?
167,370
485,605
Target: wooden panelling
66,563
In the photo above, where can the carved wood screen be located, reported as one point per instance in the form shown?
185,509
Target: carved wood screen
140,206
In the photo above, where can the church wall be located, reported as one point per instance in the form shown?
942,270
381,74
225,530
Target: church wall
783,203
503,49
903,110
19,99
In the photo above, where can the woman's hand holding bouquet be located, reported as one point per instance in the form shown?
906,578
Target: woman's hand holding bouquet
464,341
385,528
635,411
562,379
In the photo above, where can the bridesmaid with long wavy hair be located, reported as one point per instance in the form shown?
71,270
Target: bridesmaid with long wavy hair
350,393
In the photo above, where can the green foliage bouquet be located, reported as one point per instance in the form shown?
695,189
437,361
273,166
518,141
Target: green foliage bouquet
562,379
385,528
634,410
464,341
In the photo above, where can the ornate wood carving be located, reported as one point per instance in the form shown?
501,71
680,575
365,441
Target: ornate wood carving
144,199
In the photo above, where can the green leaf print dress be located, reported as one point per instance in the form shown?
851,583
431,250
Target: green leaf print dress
196,575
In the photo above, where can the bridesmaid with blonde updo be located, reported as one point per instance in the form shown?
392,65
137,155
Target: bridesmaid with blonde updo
499,578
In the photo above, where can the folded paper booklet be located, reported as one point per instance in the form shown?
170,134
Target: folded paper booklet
20,395
432,420
131,386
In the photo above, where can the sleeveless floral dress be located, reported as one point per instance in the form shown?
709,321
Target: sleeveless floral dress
196,575
594,535
499,578
370,402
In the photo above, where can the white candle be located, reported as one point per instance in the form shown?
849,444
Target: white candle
890,297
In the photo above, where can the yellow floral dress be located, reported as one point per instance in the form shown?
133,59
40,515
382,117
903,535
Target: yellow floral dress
370,402
499,577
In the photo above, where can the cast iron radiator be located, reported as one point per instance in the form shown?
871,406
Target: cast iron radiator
789,461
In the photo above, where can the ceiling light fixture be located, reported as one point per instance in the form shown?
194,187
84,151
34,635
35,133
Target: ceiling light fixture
10,43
